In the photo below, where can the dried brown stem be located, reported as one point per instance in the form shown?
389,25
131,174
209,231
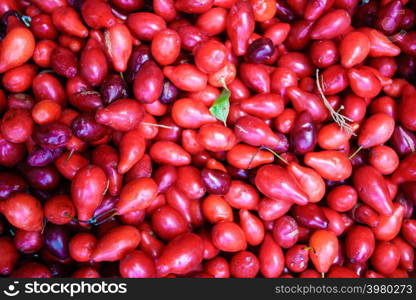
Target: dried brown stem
409,142
106,219
158,125
277,155
252,158
241,128
355,152
339,118
107,185
69,155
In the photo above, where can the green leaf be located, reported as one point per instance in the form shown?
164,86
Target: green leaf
221,106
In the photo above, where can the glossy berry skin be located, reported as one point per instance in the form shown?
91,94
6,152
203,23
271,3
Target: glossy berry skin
81,246
137,264
386,258
260,50
10,256
116,243
168,223
331,25
87,190
148,83
296,258
388,227
228,237
28,241
210,56
285,231
216,209
17,48
165,46
23,211
217,182
288,189
324,246
252,226
16,125
381,127
372,189
207,138
360,244
303,135
56,240
324,53
169,153
244,265
181,255
138,194
331,165
310,215
354,48
122,115
342,198
255,132
186,77
10,183
240,24
271,258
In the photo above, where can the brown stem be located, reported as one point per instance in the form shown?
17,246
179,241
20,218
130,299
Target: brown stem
46,71
76,220
69,156
107,184
108,43
104,213
222,81
355,152
309,248
252,158
89,92
275,154
158,125
106,219
43,225
410,143
339,118
95,219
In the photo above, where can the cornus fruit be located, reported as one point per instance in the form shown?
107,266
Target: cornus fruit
201,138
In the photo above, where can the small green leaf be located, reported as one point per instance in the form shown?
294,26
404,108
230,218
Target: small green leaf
221,106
